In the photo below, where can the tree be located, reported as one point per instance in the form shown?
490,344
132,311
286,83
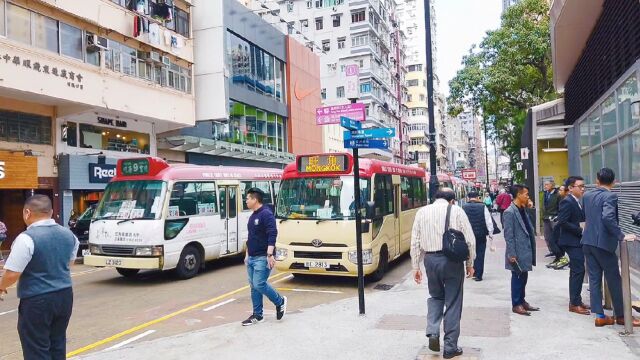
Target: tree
509,72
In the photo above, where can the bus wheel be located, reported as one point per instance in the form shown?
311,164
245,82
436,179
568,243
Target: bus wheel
189,263
128,273
383,264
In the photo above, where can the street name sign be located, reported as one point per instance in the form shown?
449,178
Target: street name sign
350,124
366,144
376,133
331,114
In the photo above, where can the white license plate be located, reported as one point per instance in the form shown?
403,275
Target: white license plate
86,252
113,262
316,264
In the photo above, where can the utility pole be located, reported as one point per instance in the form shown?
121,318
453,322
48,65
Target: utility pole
486,151
433,173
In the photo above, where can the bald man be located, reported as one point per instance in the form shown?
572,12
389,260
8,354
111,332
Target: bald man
445,276
40,259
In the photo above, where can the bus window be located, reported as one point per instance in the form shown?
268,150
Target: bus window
383,195
320,198
193,198
262,185
132,200
406,189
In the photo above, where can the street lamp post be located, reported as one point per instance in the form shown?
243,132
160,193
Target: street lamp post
433,178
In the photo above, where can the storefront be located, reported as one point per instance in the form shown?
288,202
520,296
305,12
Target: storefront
83,179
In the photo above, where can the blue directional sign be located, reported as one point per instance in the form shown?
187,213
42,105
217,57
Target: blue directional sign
350,124
376,133
366,144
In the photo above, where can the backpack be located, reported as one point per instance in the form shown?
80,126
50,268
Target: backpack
454,245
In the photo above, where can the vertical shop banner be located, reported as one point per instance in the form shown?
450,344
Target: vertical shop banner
352,74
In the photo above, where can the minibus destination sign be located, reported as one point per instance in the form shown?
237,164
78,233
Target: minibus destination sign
323,163
132,167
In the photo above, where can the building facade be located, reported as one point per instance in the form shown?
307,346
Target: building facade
602,112
507,4
69,72
363,33
255,103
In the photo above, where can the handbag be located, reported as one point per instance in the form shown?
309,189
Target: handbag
496,229
454,245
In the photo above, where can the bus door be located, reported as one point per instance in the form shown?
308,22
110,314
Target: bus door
229,215
397,206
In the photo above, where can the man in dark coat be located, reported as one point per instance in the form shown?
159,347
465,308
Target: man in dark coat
482,226
570,216
600,239
520,254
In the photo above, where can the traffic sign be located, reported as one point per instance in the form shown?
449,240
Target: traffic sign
366,144
375,133
350,124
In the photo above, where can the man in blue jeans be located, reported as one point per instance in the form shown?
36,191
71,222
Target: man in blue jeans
259,257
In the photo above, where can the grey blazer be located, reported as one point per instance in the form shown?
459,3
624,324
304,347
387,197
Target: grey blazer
521,241
601,214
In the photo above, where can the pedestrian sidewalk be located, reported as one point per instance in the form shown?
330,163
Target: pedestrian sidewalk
393,327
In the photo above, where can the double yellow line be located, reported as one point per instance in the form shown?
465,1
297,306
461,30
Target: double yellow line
161,319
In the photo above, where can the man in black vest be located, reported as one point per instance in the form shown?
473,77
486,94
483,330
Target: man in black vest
482,226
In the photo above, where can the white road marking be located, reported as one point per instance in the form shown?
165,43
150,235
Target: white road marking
218,305
290,276
129,341
8,312
311,290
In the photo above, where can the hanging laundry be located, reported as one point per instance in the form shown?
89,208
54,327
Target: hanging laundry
145,25
154,33
141,6
174,41
136,29
162,10
170,16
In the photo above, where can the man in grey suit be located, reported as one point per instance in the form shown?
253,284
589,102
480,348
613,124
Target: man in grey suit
600,240
520,254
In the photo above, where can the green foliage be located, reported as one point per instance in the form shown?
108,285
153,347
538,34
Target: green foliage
509,72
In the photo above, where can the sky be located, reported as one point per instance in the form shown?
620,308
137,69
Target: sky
460,24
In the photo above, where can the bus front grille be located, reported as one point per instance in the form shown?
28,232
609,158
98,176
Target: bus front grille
117,250
318,255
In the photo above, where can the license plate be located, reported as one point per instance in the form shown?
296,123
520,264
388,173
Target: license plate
317,264
86,252
113,262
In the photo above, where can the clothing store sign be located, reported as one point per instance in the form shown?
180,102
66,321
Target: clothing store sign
101,173
73,79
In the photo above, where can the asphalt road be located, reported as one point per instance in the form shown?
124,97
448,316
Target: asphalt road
111,311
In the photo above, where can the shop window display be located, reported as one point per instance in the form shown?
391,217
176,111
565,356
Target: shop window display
96,137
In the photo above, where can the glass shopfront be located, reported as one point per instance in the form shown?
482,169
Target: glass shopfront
254,127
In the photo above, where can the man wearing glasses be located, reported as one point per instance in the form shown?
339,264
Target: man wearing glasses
569,218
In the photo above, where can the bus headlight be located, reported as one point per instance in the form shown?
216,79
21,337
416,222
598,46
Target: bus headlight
281,254
367,256
149,251
94,249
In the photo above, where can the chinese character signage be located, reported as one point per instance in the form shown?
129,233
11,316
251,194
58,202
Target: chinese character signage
331,114
73,79
133,167
323,164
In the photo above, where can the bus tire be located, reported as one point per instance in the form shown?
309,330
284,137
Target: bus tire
383,265
189,263
128,273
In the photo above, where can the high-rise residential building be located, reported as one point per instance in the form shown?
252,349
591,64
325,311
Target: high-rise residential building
84,83
363,33
411,15
470,123
508,3
257,90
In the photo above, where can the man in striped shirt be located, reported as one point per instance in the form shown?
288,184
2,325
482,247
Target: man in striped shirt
445,277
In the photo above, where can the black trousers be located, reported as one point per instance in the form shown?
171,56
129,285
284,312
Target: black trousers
576,274
42,325
600,261
478,263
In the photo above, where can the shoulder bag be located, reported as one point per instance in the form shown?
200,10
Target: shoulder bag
454,245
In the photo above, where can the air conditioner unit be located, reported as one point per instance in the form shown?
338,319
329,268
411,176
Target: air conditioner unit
154,56
96,42
166,61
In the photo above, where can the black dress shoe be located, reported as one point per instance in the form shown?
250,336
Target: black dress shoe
434,343
453,354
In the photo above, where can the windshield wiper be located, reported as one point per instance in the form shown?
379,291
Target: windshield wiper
125,220
322,220
104,217
283,220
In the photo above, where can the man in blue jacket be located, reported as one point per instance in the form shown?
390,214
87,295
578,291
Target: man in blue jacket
600,240
569,218
259,257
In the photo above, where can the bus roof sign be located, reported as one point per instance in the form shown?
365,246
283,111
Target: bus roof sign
328,163
134,167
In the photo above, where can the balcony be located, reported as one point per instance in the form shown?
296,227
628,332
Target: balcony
113,17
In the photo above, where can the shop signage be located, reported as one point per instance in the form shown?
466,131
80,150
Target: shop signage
101,173
352,73
18,171
112,122
469,174
74,79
